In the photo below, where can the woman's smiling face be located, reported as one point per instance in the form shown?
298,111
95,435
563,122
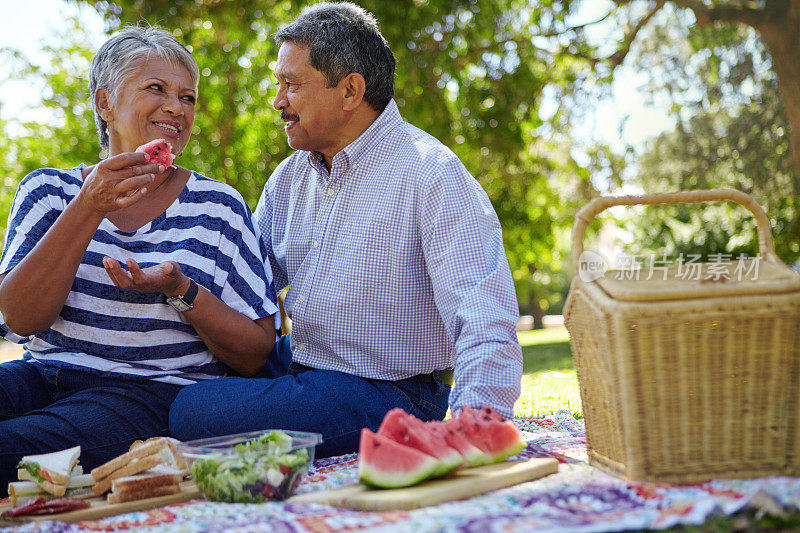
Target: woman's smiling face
156,100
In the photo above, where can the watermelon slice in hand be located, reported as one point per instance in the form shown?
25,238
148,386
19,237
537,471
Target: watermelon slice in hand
160,152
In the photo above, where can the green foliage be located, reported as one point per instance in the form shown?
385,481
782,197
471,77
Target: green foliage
468,72
732,132
70,136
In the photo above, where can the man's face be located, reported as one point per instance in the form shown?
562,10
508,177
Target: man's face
311,110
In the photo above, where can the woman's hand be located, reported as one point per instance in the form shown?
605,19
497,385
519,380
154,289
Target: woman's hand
118,182
165,277
240,342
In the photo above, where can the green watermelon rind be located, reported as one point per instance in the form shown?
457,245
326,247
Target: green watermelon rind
505,453
393,480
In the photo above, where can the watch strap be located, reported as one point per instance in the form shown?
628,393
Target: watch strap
185,302
191,293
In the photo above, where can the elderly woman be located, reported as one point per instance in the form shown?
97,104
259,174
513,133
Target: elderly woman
108,346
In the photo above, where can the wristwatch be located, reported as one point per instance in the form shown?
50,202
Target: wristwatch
185,302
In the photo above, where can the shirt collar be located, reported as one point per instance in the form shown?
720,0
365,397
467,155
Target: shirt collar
355,151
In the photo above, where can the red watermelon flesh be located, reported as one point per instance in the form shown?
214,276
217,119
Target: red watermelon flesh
454,437
488,414
407,429
499,440
388,464
160,152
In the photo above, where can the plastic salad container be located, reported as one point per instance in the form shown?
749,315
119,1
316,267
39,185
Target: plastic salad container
250,467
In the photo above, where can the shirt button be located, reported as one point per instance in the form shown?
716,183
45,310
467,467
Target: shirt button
302,346
316,244
330,191
302,298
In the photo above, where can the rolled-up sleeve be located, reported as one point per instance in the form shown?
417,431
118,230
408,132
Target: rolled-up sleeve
473,288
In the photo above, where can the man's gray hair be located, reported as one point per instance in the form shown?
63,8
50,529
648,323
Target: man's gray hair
343,38
122,54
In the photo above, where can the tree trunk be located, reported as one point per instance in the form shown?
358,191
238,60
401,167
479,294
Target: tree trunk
782,37
534,308
536,311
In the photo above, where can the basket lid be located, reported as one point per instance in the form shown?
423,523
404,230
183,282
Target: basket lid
699,280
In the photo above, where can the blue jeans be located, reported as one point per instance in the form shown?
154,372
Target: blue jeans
289,396
45,409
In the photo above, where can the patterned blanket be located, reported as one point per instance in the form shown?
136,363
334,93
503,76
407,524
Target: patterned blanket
578,498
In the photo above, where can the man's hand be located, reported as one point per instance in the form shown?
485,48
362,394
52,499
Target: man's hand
165,277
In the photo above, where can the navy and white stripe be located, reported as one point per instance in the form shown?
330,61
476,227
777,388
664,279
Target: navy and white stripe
208,230
395,264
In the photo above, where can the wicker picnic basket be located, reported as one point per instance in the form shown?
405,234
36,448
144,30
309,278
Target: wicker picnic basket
687,378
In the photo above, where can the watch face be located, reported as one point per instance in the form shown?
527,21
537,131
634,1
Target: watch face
179,304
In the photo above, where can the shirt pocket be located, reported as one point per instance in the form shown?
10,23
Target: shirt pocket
375,265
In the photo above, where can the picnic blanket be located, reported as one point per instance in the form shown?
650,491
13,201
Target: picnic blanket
579,498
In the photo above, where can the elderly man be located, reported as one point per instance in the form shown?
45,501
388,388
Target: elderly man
393,255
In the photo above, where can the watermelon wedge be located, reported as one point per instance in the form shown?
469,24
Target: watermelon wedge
160,152
406,450
388,464
454,437
408,430
498,440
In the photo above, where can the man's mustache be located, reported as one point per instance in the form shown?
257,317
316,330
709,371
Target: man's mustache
287,117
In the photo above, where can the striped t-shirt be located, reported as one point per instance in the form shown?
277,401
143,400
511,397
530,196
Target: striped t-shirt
102,328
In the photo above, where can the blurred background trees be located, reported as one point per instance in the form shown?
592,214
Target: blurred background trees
507,84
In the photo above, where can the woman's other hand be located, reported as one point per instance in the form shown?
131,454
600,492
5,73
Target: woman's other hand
164,277
118,182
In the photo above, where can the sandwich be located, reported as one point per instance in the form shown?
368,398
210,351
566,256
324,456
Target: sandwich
50,471
24,475
21,492
152,458
148,484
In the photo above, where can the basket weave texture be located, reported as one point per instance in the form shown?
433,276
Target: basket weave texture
682,385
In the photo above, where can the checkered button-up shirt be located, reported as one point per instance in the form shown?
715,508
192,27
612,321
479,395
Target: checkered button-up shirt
395,264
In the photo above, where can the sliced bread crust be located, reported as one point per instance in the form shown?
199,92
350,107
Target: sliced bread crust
132,495
136,465
117,463
145,480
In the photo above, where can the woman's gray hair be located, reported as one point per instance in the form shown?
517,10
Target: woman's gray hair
344,38
122,53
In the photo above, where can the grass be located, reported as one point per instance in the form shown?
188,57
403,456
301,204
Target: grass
549,383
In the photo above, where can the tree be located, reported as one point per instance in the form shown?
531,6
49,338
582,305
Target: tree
732,131
468,72
66,139
777,23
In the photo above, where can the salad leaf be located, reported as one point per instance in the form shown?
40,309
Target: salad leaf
32,468
253,474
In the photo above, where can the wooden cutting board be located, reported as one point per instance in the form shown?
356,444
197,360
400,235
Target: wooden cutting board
100,508
462,484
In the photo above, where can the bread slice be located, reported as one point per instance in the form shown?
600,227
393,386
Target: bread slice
51,471
133,495
145,480
147,448
134,466
178,460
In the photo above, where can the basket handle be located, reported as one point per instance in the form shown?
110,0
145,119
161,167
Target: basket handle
596,206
